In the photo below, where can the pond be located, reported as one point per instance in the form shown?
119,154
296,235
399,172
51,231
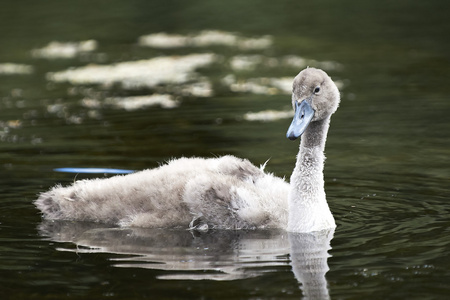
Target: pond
132,84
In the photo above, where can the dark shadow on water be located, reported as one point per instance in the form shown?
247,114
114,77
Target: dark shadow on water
214,255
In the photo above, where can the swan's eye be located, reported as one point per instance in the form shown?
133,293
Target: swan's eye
316,90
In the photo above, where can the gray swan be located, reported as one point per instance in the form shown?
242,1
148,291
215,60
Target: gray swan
217,193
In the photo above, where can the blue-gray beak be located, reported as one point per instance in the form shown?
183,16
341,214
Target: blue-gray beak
303,116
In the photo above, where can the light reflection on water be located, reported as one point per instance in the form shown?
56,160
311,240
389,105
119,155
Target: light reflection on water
217,255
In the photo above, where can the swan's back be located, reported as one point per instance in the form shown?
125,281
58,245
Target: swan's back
225,192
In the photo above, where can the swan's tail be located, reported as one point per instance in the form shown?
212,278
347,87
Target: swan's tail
48,204
61,203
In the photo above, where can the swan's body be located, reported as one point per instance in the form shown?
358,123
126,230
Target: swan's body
225,192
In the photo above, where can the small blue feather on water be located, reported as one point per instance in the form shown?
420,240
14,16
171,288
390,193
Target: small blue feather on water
93,170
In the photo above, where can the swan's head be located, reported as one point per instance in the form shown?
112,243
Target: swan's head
314,97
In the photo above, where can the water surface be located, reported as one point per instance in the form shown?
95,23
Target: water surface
387,170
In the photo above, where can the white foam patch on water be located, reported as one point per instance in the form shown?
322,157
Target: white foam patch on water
283,84
263,85
140,102
268,115
252,62
132,103
15,69
205,39
163,40
138,74
57,49
246,62
202,88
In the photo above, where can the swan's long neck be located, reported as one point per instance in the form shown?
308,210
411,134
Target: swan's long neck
308,207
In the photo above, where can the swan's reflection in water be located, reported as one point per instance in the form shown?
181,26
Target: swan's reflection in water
216,255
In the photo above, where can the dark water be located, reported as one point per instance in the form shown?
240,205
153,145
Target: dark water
387,171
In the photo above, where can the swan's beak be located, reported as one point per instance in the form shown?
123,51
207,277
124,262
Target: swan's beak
303,116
